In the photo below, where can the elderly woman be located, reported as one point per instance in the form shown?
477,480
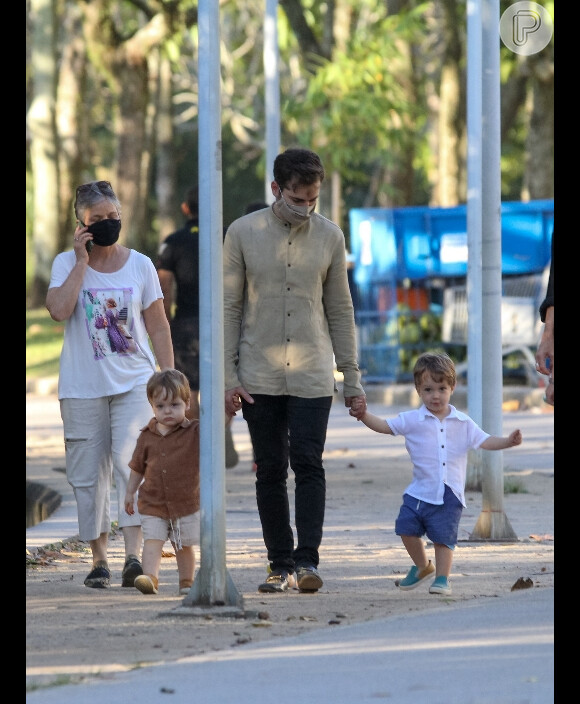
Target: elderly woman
102,386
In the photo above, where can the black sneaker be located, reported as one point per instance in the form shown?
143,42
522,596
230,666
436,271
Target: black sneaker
98,578
131,570
308,579
278,581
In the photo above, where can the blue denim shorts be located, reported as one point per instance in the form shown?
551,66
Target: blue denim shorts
440,523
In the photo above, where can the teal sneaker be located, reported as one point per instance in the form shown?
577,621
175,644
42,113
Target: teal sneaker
440,586
415,577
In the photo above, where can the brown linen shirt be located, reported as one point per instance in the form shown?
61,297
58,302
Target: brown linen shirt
288,313
170,468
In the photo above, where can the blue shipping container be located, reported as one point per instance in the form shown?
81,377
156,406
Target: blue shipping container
420,242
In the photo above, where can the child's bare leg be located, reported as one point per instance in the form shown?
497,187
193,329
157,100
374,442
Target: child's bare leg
416,549
132,535
443,560
148,582
185,562
151,557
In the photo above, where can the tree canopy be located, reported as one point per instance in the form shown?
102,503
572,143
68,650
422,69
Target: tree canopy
377,88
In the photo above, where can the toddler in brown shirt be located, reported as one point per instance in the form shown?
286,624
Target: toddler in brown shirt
165,471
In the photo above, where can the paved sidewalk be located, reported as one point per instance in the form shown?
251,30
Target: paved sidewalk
481,651
473,654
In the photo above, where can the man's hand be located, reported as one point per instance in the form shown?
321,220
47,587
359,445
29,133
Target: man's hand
233,400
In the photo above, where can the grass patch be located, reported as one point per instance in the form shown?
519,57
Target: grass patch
43,344
513,486
58,681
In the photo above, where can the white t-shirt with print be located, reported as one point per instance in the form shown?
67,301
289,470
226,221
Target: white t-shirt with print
106,347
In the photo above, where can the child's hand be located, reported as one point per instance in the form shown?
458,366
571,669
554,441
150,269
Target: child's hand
130,504
515,438
358,406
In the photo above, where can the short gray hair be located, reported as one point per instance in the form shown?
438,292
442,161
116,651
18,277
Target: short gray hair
91,193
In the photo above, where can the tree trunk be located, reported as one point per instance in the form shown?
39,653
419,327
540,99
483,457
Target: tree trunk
450,188
166,173
43,148
131,149
69,108
539,177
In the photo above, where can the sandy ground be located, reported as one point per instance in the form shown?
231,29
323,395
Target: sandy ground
74,633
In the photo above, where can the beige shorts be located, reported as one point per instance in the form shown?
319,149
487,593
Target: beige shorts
181,531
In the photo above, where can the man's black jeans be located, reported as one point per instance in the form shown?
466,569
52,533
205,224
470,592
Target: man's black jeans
289,429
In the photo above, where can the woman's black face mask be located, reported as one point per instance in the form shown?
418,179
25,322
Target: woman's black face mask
105,232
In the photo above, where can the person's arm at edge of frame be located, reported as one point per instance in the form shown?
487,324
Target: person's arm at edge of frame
157,327
545,352
545,348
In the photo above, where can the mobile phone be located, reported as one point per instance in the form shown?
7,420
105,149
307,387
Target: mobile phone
89,245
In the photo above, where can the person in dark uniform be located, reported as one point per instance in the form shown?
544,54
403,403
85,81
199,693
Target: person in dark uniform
178,269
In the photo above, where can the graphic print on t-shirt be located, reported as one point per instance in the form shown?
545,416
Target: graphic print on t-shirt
108,320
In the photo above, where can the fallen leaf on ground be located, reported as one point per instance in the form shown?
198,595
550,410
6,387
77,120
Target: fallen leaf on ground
522,583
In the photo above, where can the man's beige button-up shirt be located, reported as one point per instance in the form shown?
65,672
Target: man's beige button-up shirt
287,308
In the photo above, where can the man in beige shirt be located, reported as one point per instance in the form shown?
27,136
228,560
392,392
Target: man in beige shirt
288,316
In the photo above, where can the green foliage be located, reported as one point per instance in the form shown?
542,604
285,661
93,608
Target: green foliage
362,100
371,110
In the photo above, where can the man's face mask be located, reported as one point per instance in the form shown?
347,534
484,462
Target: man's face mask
294,214
105,232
